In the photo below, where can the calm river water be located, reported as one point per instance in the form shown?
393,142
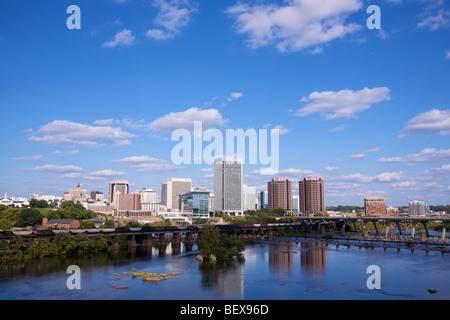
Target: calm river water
271,270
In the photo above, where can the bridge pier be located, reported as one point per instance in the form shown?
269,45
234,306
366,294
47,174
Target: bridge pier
147,241
423,236
443,231
365,232
132,242
413,231
392,234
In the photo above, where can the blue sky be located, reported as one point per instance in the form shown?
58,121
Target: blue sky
368,110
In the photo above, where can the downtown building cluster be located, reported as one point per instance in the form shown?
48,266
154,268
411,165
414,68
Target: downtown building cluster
179,200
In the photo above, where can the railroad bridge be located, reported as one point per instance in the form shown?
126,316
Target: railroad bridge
145,235
341,222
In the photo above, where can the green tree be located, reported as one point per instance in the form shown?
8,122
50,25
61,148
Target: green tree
34,203
29,217
209,240
5,224
109,224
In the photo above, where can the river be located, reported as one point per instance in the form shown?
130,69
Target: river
268,270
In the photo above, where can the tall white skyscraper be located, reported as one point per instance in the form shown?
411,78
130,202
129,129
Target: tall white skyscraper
228,185
250,199
172,190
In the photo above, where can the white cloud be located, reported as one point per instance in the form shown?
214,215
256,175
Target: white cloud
172,16
56,169
334,186
146,163
297,25
382,177
234,96
185,120
33,158
416,185
104,174
332,169
282,172
426,155
122,38
105,122
382,34
447,54
342,104
437,21
434,121
282,130
72,175
340,128
364,154
358,156
316,50
67,132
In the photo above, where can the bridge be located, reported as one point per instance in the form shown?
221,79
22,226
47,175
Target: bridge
144,234
342,221
303,225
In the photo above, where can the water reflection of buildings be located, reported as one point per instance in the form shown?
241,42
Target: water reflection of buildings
314,258
281,256
224,277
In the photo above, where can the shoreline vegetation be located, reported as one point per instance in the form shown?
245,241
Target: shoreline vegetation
18,250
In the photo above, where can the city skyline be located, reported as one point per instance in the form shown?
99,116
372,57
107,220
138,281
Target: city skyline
367,110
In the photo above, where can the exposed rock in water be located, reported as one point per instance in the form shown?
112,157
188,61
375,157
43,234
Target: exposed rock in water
120,287
151,279
432,290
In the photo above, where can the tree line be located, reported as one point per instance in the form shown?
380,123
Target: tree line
26,217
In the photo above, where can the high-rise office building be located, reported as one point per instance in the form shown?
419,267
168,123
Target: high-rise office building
148,196
416,208
263,202
311,195
250,201
295,203
172,190
228,185
124,202
374,206
279,191
121,186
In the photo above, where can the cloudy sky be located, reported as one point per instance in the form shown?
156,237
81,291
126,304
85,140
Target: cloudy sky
366,109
